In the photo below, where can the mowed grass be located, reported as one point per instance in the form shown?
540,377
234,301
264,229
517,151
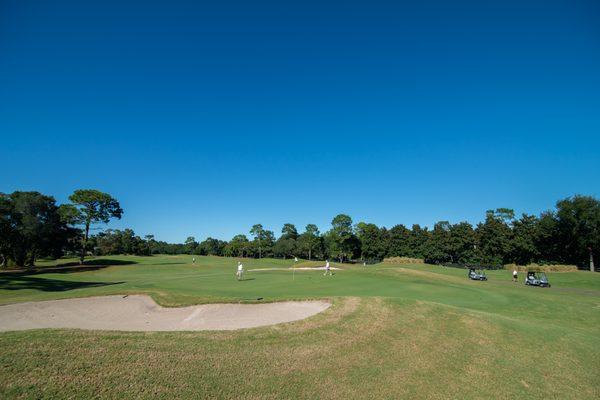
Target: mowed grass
406,331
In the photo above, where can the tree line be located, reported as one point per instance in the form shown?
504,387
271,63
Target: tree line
32,225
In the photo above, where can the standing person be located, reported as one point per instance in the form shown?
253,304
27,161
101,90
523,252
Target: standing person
193,260
515,274
240,271
295,259
327,268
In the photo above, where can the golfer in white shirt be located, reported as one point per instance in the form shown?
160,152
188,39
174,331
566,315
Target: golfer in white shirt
240,271
327,268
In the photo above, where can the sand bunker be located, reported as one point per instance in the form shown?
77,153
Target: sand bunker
141,313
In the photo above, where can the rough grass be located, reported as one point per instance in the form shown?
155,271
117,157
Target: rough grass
542,268
403,260
313,264
421,332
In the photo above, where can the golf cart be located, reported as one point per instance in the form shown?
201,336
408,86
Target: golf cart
477,275
537,279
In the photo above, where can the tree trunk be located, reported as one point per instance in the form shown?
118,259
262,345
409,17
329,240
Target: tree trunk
84,242
31,261
592,260
4,262
309,254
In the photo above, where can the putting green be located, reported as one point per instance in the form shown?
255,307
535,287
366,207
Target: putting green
393,331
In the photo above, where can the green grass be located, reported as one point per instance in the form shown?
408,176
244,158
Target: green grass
405,331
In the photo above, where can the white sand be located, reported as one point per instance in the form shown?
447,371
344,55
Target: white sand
141,313
297,269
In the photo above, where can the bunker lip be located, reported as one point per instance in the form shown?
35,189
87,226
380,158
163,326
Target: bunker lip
141,313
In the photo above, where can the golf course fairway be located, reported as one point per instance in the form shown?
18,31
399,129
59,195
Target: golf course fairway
392,331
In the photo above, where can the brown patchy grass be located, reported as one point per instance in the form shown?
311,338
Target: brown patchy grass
359,348
542,268
313,264
403,260
424,274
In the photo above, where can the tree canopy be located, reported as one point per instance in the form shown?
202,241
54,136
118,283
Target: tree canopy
32,225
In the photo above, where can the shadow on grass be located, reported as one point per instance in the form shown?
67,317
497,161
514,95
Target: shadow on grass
89,265
47,285
97,262
171,263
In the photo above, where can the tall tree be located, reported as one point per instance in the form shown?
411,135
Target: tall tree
191,245
258,232
150,242
6,229
289,231
417,240
212,247
93,207
238,246
286,244
548,239
463,243
437,246
341,240
523,244
372,241
398,241
579,228
284,247
495,237
310,239
31,226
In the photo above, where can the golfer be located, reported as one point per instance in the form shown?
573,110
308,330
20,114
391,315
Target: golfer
514,275
327,268
240,271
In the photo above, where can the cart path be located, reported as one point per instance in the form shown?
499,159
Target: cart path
141,313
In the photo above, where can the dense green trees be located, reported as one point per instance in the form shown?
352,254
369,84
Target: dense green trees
263,240
578,224
286,246
90,207
114,241
494,237
310,242
32,225
239,246
341,241
212,247
373,244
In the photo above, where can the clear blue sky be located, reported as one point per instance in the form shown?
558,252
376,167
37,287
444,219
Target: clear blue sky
204,118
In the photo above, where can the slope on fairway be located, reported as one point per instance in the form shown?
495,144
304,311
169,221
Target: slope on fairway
392,332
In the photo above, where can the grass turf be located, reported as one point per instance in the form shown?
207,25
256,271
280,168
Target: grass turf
406,331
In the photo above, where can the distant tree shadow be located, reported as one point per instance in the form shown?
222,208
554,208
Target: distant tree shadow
17,282
98,262
170,263
89,265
